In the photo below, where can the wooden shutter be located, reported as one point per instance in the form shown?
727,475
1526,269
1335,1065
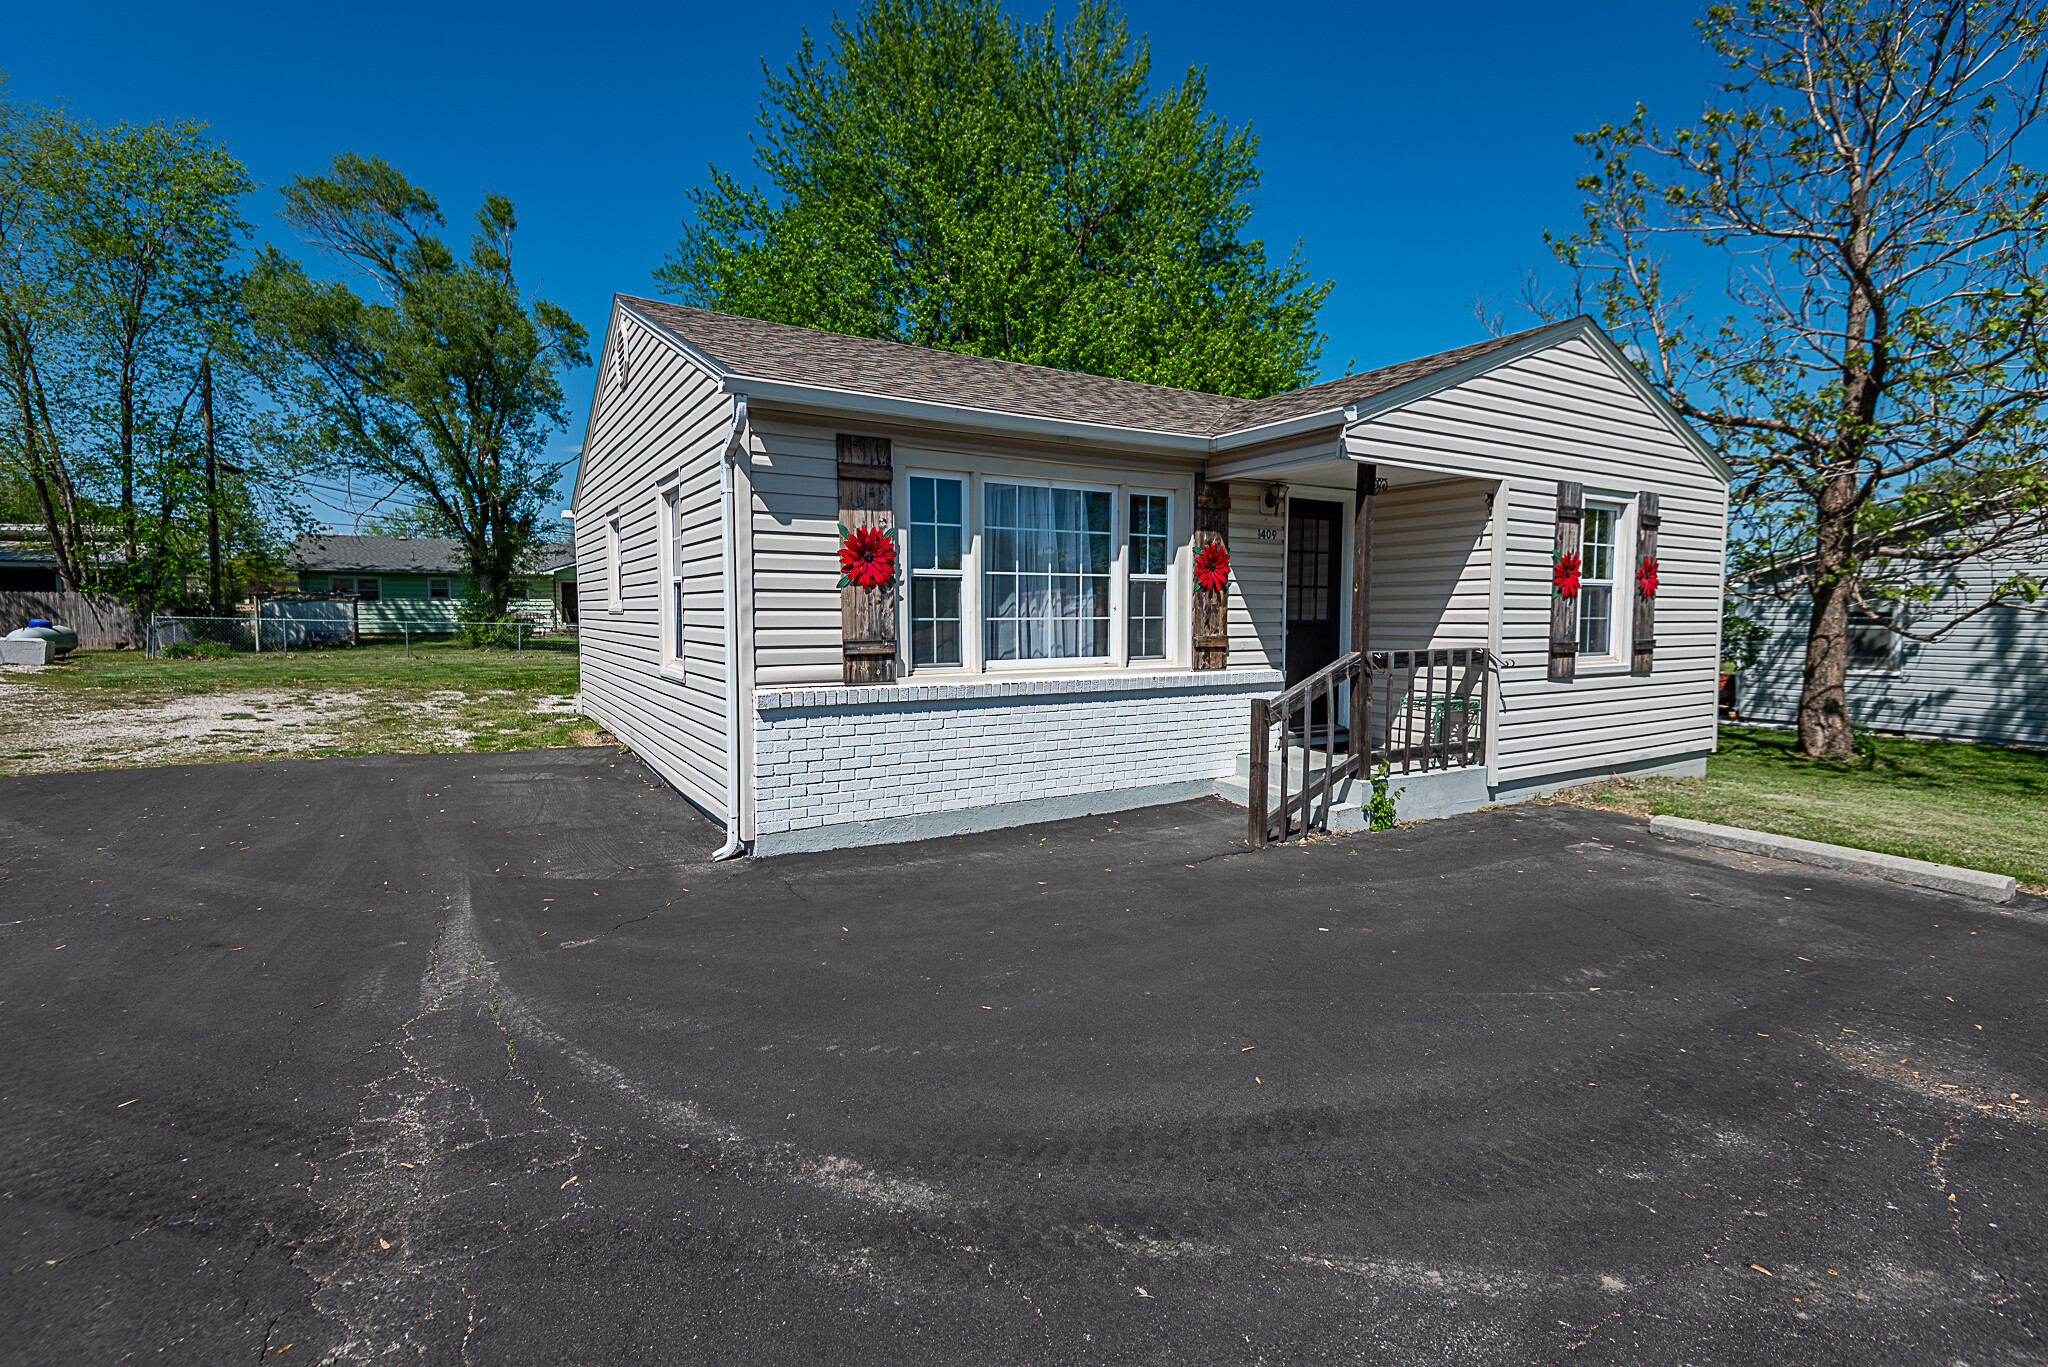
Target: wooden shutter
1643,639
1212,609
867,617
1564,612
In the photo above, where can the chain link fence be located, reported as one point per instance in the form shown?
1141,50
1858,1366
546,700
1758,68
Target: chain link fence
214,638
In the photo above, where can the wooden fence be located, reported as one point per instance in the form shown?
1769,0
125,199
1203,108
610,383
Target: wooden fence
102,621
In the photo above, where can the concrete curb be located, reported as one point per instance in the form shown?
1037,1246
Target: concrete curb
1919,873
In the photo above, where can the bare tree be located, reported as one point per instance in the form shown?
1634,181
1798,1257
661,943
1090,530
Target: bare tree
1877,380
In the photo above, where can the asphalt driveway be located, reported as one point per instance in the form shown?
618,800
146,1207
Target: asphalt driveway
476,1058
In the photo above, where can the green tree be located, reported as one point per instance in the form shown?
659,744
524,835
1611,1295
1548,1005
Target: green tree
408,519
1876,380
445,385
117,294
946,177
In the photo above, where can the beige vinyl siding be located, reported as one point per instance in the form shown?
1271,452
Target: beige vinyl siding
1564,414
793,522
1258,579
663,432
1432,566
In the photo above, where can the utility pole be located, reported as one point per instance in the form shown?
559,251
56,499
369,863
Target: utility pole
212,489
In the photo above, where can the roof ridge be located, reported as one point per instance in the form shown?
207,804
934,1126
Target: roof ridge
760,348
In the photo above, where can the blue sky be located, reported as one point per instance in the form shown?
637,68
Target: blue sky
1417,151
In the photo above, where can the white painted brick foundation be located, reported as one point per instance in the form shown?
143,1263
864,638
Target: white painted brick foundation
861,765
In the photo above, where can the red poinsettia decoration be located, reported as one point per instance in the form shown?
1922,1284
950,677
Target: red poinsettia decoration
1212,567
867,557
1646,577
1564,576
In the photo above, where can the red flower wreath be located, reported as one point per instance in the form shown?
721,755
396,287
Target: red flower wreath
1646,577
1212,567
1564,576
867,557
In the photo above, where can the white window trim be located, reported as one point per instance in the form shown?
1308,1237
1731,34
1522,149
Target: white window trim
1120,591
968,563
974,629
1622,606
614,595
667,507
447,597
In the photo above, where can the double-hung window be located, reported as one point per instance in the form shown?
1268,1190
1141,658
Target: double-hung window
1046,565
366,589
672,518
439,588
938,533
614,592
1151,536
1870,641
1599,535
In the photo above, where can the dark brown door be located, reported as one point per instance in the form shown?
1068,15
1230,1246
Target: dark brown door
1315,542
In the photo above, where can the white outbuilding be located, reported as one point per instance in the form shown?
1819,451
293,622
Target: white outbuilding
1496,570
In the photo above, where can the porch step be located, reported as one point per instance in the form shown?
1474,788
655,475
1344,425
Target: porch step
1419,794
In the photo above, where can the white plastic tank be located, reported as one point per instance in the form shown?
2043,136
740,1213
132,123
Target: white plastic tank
62,640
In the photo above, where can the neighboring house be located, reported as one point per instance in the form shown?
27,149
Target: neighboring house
415,583
26,563
1046,648
1982,681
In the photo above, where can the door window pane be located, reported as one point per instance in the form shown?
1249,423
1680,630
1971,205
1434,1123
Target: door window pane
936,535
1311,555
1046,571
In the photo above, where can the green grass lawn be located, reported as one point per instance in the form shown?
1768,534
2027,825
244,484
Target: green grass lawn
430,665
1979,806
105,709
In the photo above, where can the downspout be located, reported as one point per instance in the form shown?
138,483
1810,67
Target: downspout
729,606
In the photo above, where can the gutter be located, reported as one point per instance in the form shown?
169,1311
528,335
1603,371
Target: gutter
728,603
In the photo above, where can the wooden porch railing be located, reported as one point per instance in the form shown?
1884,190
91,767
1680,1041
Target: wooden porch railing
1408,709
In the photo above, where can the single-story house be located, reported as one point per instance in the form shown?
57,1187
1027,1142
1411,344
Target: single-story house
415,583
843,591
1983,680
27,565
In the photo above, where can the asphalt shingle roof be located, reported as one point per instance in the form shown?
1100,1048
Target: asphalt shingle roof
780,351
406,555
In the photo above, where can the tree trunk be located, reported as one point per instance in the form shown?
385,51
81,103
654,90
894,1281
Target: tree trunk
1825,731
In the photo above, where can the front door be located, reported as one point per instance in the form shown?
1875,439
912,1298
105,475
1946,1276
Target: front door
1315,543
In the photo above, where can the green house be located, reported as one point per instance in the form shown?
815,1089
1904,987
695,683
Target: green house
415,583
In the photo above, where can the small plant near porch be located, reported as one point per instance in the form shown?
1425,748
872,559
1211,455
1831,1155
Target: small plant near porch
1379,811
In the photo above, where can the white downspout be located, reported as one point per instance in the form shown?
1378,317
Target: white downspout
729,606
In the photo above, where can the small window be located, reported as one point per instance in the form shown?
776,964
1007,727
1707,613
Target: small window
518,588
1601,527
937,532
672,513
439,588
1150,535
613,594
1870,640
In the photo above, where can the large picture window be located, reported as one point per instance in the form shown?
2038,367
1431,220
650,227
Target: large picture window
938,532
1045,572
1151,536
1600,529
